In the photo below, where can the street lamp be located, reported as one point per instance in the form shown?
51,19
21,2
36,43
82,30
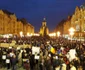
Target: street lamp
21,34
28,34
53,35
58,33
71,30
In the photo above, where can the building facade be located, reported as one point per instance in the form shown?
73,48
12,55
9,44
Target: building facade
60,27
77,21
66,26
9,24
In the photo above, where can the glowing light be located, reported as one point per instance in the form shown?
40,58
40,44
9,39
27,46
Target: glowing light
48,42
28,34
21,34
31,34
7,35
36,34
58,33
71,30
52,34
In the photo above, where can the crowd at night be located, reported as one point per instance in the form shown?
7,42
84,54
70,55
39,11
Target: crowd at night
42,35
53,54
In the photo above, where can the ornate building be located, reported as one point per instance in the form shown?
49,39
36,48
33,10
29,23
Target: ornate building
9,24
44,31
77,21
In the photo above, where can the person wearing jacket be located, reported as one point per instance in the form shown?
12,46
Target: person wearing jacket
14,62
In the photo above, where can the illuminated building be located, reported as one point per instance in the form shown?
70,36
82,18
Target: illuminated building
9,24
44,31
77,21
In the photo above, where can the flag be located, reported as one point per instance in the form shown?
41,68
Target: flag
52,50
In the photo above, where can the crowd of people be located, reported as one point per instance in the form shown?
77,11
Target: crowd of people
54,54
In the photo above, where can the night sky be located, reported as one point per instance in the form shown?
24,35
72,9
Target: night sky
35,10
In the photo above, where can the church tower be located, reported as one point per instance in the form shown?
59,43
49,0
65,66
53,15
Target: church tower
44,31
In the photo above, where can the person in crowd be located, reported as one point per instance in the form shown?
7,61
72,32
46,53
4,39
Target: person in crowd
20,58
76,62
8,63
83,61
48,63
42,63
72,67
57,67
63,66
14,62
32,62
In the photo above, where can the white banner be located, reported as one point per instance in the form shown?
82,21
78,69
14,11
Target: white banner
5,44
35,50
3,57
72,54
37,57
7,61
12,44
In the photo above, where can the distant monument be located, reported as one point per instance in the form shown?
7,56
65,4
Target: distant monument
44,31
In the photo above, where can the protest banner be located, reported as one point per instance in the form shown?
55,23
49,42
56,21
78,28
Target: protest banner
3,57
12,44
72,54
7,61
37,57
35,50
5,44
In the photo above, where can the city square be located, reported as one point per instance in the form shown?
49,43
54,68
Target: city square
42,35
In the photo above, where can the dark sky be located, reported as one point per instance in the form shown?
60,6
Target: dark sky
35,10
